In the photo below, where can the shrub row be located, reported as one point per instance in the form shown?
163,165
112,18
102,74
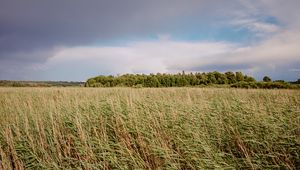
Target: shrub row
264,85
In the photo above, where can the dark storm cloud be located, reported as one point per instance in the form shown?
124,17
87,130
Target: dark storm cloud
28,25
31,31
35,24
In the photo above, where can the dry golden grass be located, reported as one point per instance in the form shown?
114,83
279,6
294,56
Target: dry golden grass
163,128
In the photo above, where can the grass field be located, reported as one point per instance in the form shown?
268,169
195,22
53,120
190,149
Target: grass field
161,128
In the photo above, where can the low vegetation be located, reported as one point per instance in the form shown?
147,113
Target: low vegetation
211,79
9,83
265,85
149,128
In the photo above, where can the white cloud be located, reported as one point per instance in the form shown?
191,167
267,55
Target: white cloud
139,57
174,56
259,27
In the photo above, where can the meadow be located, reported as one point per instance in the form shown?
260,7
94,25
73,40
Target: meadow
149,128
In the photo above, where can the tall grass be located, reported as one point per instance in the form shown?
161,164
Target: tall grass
167,128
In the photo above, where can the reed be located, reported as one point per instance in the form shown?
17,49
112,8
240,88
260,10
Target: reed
145,128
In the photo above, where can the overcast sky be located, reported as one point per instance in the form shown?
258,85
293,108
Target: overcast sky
76,39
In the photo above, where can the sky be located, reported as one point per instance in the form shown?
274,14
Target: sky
74,40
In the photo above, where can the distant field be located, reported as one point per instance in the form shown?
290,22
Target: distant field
149,128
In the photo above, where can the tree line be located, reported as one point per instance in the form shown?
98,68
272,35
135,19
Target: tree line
231,79
10,83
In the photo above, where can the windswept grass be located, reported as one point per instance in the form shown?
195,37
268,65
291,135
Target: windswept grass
171,128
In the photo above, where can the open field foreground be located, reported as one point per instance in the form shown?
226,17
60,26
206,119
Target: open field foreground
162,128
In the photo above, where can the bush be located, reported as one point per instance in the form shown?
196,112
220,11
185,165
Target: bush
138,86
267,79
263,85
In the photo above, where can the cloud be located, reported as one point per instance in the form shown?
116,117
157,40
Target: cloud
270,57
139,57
38,24
259,27
77,39
34,26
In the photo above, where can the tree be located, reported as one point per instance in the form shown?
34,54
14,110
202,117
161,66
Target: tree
239,76
267,79
90,82
249,79
295,82
167,80
221,78
152,81
211,78
231,77
193,80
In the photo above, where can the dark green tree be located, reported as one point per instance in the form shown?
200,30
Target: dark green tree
239,76
230,77
211,78
167,80
267,79
249,79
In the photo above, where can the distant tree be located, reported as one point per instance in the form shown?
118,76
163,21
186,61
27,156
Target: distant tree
239,76
167,80
107,84
249,79
279,81
152,81
221,78
297,82
211,78
181,81
90,82
267,79
230,77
